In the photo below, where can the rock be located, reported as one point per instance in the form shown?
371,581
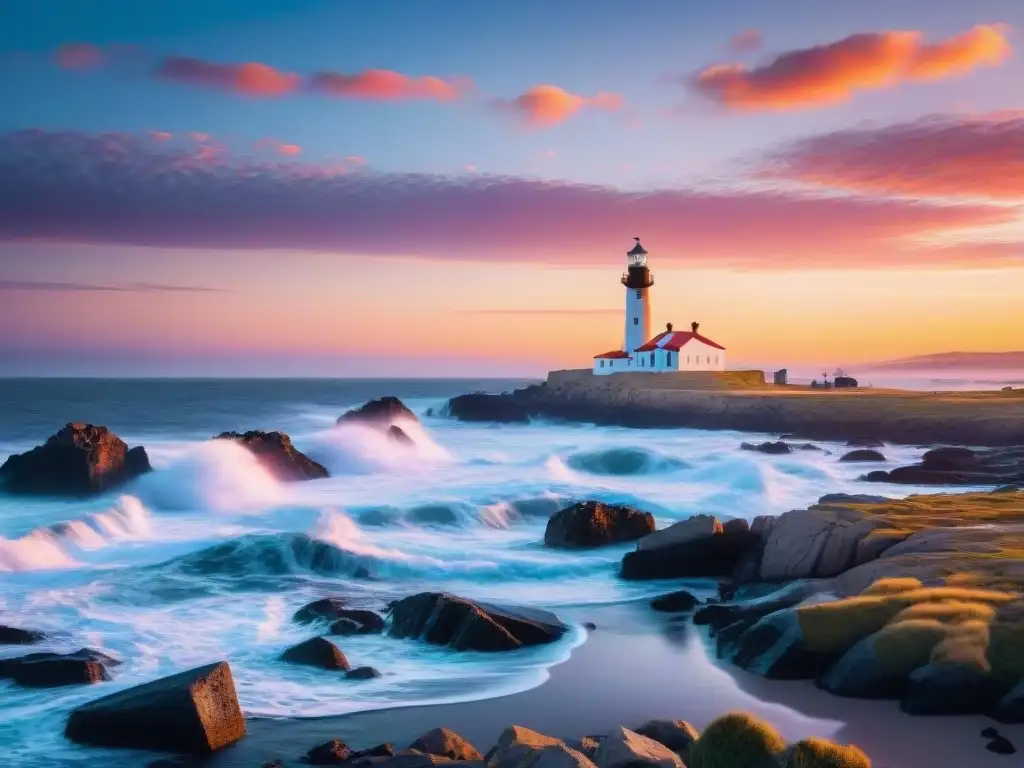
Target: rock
593,524
1010,708
737,739
989,733
192,712
862,673
623,747
357,622
326,608
677,735
675,602
736,525
48,670
812,447
445,619
586,745
382,413
773,647
865,442
556,756
1001,746
446,743
18,636
862,455
851,498
589,625
516,743
774,449
317,652
696,527
951,689
399,435
333,752
701,556
959,466
79,460
363,673
478,406
277,455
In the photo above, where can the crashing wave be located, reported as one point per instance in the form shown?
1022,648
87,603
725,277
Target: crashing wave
623,461
355,449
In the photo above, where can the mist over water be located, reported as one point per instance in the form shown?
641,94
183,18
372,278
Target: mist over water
209,556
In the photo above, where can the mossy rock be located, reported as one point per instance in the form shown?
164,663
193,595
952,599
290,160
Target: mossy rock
737,740
893,585
903,647
819,753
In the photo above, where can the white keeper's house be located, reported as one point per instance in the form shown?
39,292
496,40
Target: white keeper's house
670,350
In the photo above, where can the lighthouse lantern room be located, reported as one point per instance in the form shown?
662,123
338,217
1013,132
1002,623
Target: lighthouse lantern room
670,350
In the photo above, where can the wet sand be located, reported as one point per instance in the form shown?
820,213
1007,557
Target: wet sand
636,666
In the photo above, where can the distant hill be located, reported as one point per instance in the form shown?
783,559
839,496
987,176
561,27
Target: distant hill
973,361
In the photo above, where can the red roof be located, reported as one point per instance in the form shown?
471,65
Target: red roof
615,354
674,340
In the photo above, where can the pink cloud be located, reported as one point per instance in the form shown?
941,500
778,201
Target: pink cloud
78,56
747,40
199,137
356,160
386,85
161,135
250,78
547,105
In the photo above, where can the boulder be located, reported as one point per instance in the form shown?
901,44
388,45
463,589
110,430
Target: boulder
277,455
479,406
959,466
79,460
446,743
326,609
862,455
593,524
952,689
1010,708
317,652
48,670
586,744
775,449
675,602
694,548
358,622
515,744
444,619
677,735
1001,745
864,442
556,756
623,747
18,636
381,414
333,752
363,673
192,712
736,525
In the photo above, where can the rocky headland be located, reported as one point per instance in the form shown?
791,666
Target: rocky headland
741,400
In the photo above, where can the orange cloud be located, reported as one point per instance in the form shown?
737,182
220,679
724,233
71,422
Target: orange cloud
546,105
386,85
78,56
251,78
747,40
831,74
941,156
289,149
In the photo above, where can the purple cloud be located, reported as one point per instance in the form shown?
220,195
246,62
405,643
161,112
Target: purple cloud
58,286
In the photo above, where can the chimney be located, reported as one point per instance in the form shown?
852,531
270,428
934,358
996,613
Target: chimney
668,327
695,326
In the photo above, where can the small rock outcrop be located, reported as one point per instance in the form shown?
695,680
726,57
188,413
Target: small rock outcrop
675,602
48,670
698,547
959,466
317,652
380,413
478,406
516,743
79,460
443,619
277,455
774,449
623,747
324,609
192,712
862,455
677,735
593,524
446,743
19,636
356,621
363,673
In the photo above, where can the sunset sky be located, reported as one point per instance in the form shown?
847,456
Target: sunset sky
288,187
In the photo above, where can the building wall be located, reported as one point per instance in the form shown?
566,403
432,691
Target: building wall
694,356
607,366
638,318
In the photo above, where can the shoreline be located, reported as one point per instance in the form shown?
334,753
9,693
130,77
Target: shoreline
636,666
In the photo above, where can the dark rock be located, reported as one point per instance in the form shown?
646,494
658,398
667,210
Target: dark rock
865,442
989,733
443,619
399,435
1001,746
316,652
735,526
1010,708
812,447
358,622
277,455
851,498
774,649
191,712
959,466
333,752
862,455
48,670
446,743
363,673
382,413
593,524
775,448
844,382
79,460
326,608
675,602
18,636
589,625
677,735
478,406
704,557
432,514
951,689
1006,489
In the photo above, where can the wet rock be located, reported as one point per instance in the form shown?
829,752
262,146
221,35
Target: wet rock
695,527
192,712
675,602
686,550
862,455
959,466
623,747
1001,746
444,619
399,435
774,449
18,636
432,514
333,752
516,743
277,455
589,625
357,622
382,413
79,460
49,670
593,524
1010,708
773,647
989,733
363,673
677,735
478,406
951,689
317,652
851,498
326,609
446,743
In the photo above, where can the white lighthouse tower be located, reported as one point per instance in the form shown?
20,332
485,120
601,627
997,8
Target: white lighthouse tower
638,281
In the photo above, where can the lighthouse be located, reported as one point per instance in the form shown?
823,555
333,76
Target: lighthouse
638,281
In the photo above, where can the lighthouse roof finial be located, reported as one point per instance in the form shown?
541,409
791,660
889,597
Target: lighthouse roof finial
638,250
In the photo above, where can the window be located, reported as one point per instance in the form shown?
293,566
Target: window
652,359
668,359
687,359
639,294
602,363
636,321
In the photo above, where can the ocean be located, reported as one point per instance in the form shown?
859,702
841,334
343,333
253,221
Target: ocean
207,557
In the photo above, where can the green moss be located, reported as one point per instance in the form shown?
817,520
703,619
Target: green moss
833,628
818,753
737,740
903,647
